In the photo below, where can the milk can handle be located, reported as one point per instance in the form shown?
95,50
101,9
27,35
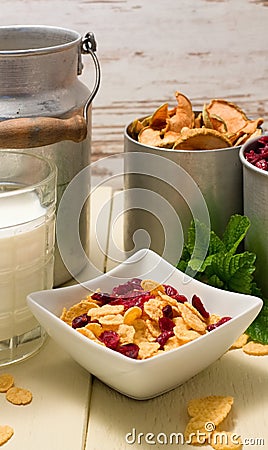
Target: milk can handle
89,46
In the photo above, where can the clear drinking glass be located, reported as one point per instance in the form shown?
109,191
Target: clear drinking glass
27,238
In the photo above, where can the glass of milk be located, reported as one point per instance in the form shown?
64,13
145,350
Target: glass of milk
27,230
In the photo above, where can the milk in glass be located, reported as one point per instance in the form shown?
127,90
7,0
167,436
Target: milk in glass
26,259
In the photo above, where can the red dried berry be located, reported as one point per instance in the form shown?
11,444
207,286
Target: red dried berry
219,323
170,290
127,289
80,321
262,164
139,301
166,324
180,298
102,297
163,337
168,311
197,303
129,350
259,156
109,338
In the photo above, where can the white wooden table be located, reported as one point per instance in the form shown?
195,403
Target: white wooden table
147,50
73,411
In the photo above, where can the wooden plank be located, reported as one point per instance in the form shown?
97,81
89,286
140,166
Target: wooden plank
115,253
100,211
113,416
57,416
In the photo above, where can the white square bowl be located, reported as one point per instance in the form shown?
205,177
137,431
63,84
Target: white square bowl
144,379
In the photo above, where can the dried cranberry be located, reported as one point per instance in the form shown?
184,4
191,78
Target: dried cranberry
109,338
263,140
166,324
170,290
180,298
102,297
197,303
139,301
130,350
219,323
259,156
168,311
163,337
136,282
127,288
80,321
262,164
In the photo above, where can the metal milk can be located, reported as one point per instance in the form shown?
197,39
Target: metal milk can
44,107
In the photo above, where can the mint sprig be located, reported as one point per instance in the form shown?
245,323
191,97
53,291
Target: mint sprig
225,267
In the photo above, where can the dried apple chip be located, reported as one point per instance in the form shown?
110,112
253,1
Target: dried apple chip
159,118
230,113
184,115
168,139
135,127
179,121
198,121
218,123
252,126
202,139
149,136
205,117
185,105
156,138
242,139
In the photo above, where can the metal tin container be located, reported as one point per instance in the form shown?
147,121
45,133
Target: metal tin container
215,174
43,104
255,182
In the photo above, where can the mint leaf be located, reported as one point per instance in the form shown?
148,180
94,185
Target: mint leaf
215,245
222,267
215,281
258,330
196,248
235,232
235,271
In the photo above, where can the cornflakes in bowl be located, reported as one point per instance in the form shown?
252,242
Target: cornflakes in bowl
161,366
